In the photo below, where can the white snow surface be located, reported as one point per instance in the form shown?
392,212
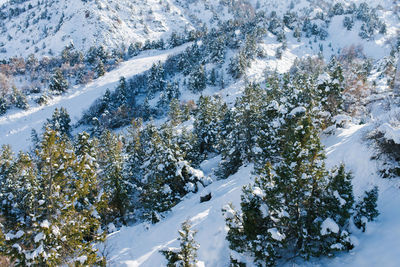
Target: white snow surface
329,226
139,246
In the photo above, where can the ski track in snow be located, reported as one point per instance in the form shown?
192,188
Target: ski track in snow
16,126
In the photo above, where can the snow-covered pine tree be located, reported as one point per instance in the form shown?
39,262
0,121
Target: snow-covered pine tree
155,80
330,88
18,191
19,99
112,180
58,83
171,92
135,157
295,208
91,203
121,91
167,176
175,112
60,122
197,80
207,125
241,129
366,209
52,231
99,69
186,254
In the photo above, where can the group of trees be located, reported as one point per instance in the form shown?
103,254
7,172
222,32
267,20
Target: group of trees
50,202
297,208
106,178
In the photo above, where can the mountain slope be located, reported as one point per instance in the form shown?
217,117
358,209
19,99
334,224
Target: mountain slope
46,27
15,128
139,245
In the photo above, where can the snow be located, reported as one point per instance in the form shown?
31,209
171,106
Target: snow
276,235
341,200
138,246
379,245
38,237
15,128
82,259
258,192
45,224
329,226
297,110
10,236
390,132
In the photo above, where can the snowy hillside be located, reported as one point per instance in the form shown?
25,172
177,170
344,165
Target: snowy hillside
46,28
140,245
199,133
16,127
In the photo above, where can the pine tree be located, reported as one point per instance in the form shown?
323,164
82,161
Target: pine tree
167,177
55,229
175,112
207,124
100,70
60,122
155,80
111,161
295,207
242,133
19,99
186,255
366,209
135,158
197,80
330,88
122,92
3,105
58,83
171,92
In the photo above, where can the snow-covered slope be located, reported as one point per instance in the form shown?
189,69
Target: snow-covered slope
51,25
16,127
379,246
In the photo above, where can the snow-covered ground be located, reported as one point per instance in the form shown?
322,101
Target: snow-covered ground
139,245
16,127
378,246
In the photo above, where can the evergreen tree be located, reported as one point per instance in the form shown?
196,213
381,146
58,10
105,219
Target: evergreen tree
3,105
207,125
366,209
19,99
111,161
175,112
186,255
58,83
100,70
122,92
167,177
155,80
197,80
60,122
54,230
135,158
171,92
296,207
